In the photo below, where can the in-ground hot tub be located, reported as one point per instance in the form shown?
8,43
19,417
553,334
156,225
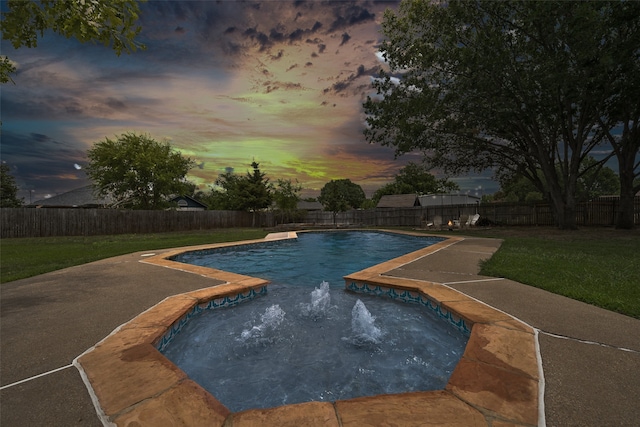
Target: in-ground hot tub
495,381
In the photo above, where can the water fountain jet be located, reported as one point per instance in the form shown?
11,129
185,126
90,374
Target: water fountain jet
320,302
363,326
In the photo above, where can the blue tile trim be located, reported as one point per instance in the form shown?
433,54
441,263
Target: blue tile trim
412,297
222,302
365,288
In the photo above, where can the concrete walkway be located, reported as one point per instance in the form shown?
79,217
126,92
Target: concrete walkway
591,357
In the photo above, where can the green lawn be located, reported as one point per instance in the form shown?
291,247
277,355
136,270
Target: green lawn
21,258
597,266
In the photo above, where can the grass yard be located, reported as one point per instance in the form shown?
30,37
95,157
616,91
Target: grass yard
21,258
597,266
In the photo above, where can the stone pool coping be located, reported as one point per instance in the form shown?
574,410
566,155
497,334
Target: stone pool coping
497,381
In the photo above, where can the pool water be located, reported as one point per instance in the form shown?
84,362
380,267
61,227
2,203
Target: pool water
308,341
311,258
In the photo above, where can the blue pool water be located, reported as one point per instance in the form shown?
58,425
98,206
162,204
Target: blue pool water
312,258
312,341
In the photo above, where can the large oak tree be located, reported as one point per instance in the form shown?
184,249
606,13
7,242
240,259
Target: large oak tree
520,87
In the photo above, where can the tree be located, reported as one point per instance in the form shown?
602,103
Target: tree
8,189
341,194
6,67
595,182
110,22
369,204
251,192
255,191
224,194
517,188
513,86
137,171
621,119
415,178
286,196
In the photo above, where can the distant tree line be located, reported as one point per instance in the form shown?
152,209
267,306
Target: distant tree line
137,172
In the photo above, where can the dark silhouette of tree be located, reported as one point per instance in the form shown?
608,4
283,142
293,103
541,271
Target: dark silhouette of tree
8,189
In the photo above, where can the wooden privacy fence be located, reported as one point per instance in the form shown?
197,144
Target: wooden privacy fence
383,217
594,213
29,222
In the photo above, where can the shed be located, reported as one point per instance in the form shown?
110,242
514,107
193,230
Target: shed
398,201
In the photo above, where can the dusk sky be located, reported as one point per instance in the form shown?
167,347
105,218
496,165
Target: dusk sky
225,82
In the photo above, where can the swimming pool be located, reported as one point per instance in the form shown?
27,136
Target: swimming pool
277,350
498,374
311,258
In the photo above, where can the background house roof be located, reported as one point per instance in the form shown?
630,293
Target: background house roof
82,197
309,206
186,202
398,201
448,199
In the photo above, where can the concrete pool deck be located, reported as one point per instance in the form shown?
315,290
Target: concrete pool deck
590,356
